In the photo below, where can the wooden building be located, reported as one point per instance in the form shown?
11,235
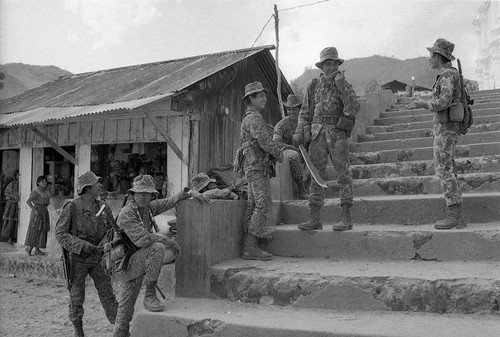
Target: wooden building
171,119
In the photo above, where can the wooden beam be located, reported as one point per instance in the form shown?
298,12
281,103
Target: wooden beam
59,149
165,135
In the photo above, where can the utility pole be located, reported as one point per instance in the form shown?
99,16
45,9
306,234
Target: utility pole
278,89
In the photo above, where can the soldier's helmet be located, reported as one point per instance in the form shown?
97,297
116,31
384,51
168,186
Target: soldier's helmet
329,53
443,47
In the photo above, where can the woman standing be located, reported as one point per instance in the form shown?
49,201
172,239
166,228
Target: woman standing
10,215
445,94
39,219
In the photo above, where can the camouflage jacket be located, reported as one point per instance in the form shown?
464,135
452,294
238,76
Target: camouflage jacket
137,223
284,130
329,101
254,127
89,227
446,90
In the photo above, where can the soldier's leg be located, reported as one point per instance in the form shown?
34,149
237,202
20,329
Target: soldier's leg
318,152
444,164
102,283
296,169
261,188
77,295
250,207
339,155
128,296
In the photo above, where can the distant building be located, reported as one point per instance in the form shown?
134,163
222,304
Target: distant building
487,24
396,86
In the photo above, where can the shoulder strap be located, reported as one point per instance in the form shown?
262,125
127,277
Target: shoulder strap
73,217
464,97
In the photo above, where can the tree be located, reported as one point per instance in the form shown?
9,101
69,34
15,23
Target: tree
372,86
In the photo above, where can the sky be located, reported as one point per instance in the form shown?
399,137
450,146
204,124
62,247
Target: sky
89,35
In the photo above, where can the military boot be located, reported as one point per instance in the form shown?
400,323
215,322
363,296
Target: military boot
151,302
454,219
302,191
252,251
78,329
345,222
313,222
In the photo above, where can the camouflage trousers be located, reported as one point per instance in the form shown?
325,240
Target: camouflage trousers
102,282
258,205
145,264
333,143
296,163
445,140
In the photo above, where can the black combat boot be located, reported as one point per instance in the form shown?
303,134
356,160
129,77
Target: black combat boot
252,251
345,222
454,219
313,222
78,329
151,302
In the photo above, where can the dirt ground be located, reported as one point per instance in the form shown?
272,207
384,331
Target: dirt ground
38,307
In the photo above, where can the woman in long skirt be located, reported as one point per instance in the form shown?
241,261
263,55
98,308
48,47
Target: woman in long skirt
39,219
10,215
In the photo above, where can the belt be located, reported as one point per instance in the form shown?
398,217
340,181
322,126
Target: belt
326,120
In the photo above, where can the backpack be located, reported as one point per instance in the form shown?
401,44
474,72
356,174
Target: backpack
466,123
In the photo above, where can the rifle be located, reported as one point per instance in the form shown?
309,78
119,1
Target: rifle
65,256
123,238
466,101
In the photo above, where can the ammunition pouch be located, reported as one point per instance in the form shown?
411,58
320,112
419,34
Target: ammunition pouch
346,124
454,113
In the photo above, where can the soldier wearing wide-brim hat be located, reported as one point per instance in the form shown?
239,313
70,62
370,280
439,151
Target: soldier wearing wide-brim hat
80,229
255,158
283,132
136,219
446,94
326,120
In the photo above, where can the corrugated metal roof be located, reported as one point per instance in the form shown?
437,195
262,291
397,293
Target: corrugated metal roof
125,84
45,114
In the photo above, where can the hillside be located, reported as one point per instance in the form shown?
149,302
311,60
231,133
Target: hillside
383,69
20,77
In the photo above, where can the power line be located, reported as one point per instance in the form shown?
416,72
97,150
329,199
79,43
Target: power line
311,4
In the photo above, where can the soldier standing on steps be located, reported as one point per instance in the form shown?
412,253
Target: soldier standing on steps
445,92
283,132
326,120
259,152
79,230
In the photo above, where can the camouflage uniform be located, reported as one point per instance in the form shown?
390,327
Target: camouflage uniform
91,229
145,264
446,90
259,201
283,132
326,139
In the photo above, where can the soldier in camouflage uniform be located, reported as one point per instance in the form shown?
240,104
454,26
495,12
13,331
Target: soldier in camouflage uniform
79,230
445,92
283,132
136,220
257,148
328,126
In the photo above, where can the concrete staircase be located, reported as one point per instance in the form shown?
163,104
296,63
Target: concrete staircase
393,268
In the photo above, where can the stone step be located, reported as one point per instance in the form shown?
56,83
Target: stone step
419,117
322,283
186,317
419,133
410,112
418,168
412,143
423,153
485,92
425,124
477,242
397,209
470,182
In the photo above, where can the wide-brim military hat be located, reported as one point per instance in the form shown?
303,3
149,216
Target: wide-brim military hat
200,181
252,88
292,101
329,53
144,184
443,47
87,179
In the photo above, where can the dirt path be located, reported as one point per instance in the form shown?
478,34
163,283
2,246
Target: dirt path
35,307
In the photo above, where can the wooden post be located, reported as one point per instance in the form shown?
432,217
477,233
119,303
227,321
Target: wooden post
208,234
25,167
278,72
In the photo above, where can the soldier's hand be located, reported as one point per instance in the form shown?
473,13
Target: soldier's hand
340,81
297,138
200,197
290,147
171,243
89,249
